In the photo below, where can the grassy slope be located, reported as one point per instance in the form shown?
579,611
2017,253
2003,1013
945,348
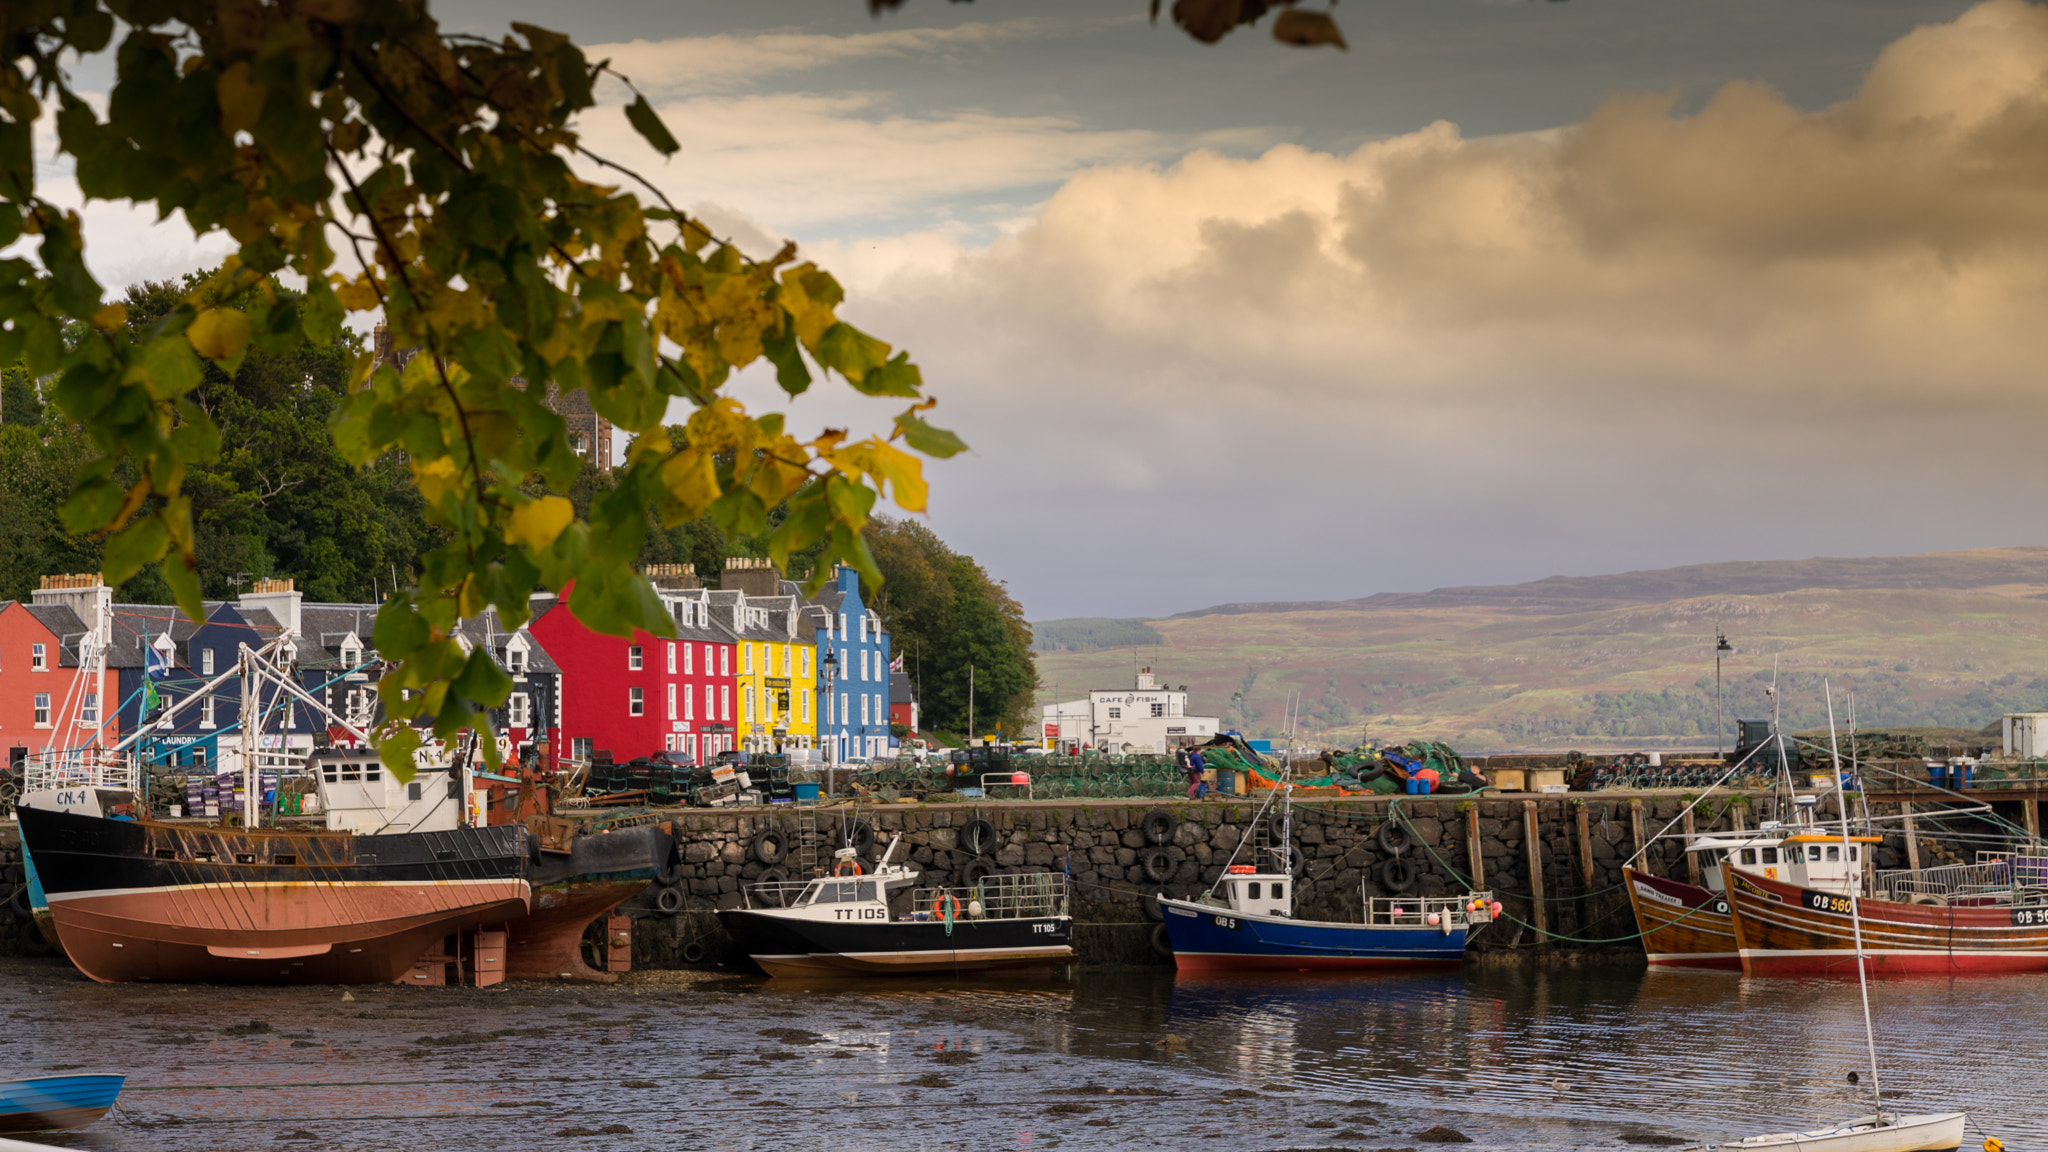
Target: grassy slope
1603,663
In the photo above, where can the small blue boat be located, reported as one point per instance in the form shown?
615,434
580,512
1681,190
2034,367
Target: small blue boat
45,1103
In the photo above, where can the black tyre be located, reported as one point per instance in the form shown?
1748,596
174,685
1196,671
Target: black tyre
765,887
1161,942
1153,910
1397,875
671,873
694,952
978,838
668,901
1158,866
1369,777
859,834
1159,825
770,847
975,872
1395,837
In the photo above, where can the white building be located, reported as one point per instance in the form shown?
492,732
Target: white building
1147,718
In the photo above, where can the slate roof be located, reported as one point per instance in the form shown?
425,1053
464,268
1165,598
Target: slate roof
63,623
485,631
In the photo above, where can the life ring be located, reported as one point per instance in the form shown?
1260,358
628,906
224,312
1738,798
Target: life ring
1159,825
845,862
939,906
1161,942
858,835
1397,874
1395,837
975,872
668,901
978,837
1153,910
766,887
1158,866
770,846
694,952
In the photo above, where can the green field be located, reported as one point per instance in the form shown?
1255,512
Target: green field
1948,639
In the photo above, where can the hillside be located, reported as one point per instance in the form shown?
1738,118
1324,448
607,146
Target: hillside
1951,639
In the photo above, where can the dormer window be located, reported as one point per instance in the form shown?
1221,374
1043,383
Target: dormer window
351,655
515,659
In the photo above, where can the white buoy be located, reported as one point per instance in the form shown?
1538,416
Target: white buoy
974,909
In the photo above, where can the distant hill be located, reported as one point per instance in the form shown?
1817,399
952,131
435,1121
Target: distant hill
1976,568
1093,633
1945,639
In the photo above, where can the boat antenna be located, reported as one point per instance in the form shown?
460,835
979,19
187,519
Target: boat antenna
1855,902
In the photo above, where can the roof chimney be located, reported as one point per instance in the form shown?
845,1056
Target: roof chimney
752,575
277,598
84,593
673,577
1145,679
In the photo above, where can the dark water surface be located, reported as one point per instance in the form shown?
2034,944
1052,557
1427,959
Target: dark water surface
1594,1058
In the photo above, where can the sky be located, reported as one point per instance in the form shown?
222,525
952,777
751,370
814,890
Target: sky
1509,289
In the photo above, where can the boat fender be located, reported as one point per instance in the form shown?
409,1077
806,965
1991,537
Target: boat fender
939,906
532,847
770,846
1151,907
1395,837
1161,942
694,952
846,866
1158,866
978,837
23,906
1397,874
671,873
765,889
1159,825
974,910
859,834
668,901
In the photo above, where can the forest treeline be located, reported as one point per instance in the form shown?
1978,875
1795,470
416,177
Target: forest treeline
281,502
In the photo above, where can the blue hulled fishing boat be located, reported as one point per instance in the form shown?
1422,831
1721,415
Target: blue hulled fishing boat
46,1103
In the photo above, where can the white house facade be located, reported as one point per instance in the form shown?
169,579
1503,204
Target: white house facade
1146,718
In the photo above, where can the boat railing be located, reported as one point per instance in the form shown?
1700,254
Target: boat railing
1948,882
1450,911
1009,896
2028,871
77,768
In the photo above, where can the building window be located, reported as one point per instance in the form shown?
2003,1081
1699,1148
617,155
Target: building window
671,701
746,659
1116,713
845,717
690,702
807,707
724,702
515,659
747,705
520,713
42,707
690,660
671,657
863,628
38,658
89,710
206,712
810,661
636,700
1159,709
842,625
864,707
206,661
633,659
579,747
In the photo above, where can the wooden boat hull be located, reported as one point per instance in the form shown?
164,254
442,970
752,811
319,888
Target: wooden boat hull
1682,925
138,900
1786,930
51,1103
1207,939
786,945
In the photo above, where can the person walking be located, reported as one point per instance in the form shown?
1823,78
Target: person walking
1197,787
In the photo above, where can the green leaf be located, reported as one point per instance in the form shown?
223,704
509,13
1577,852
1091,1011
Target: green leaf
781,346
182,574
396,745
399,632
132,547
482,680
649,125
927,438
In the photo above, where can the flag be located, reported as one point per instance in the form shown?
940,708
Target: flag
896,665
155,661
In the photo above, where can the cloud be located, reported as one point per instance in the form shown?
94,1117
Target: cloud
1480,345
698,64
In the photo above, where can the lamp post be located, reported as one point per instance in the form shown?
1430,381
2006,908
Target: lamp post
1721,648
831,666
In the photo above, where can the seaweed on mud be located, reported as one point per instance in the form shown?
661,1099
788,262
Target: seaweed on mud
791,1035
1239,1094
607,1130
252,1028
297,1134
1069,1109
1100,1090
1442,1135
459,1039
1650,1138
639,1084
929,1080
782,1056
1322,1124
956,1056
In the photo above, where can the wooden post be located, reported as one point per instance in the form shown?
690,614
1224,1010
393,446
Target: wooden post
1692,859
1635,820
2030,812
1741,813
1473,855
1912,837
1585,847
1535,849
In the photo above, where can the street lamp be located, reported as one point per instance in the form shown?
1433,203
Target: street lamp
831,665
1721,648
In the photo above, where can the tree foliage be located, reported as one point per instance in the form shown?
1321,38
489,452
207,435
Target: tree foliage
440,179
945,615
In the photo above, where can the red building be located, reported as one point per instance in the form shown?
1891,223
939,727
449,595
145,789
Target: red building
633,696
43,704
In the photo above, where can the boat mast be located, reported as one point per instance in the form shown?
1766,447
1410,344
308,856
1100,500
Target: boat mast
1855,901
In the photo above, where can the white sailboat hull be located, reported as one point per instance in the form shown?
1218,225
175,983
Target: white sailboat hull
1931,1132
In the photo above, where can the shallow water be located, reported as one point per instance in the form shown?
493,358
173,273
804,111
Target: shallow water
1595,1058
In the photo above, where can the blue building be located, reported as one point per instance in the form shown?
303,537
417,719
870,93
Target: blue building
155,643
853,672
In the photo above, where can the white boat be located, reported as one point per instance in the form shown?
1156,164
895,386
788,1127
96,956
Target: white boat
1884,1132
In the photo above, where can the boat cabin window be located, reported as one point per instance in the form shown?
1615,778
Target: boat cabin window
1749,855
1852,853
1252,891
1279,891
1813,851
843,891
1770,855
1834,854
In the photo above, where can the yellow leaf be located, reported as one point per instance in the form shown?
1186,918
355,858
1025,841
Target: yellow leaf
358,295
219,333
536,525
692,479
111,316
887,466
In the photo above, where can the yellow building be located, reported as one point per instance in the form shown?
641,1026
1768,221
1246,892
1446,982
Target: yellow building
777,668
